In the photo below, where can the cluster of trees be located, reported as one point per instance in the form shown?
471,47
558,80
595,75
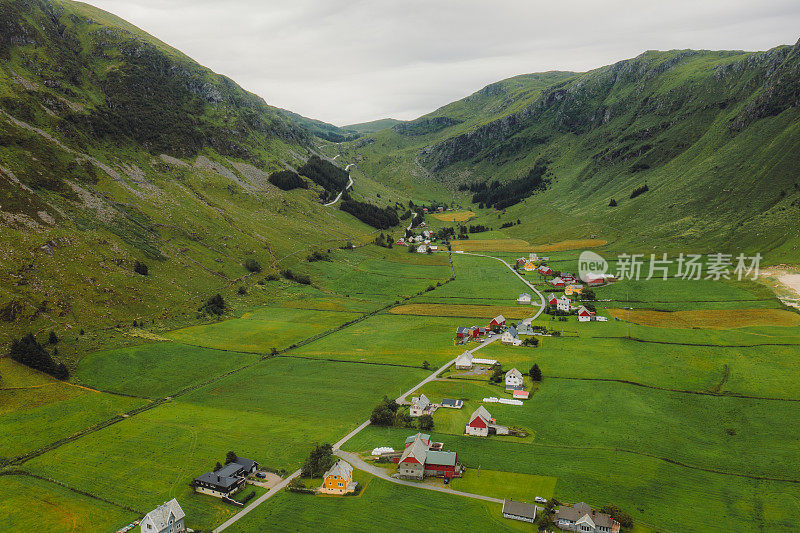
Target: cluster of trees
319,461
388,414
316,255
214,306
509,224
384,240
497,374
286,180
230,457
504,195
588,294
535,373
377,217
30,353
531,341
303,279
612,203
639,190
325,174
252,265
479,228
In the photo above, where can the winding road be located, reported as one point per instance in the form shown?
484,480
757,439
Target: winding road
360,464
350,184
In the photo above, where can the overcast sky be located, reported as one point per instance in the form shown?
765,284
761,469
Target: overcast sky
359,60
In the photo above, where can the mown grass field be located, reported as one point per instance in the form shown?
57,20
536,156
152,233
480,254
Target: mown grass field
454,216
466,311
382,504
29,504
709,318
513,485
480,244
273,413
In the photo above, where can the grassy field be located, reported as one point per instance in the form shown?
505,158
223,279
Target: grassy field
30,504
262,330
273,413
412,510
709,318
141,370
461,310
455,216
481,244
513,485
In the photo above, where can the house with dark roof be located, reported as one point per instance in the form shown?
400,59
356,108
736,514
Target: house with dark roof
166,518
584,519
452,404
227,480
524,512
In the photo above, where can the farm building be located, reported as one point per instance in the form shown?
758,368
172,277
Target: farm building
525,328
509,336
567,277
533,256
452,404
525,512
464,361
479,332
462,332
563,304
552,299
487,362
423,459
524,298
513,379
421,405
481,424
530,267
339,479
521,261
557,282
166,518
520,394
421,249
545,270
434,248
584,315
497,322
584,519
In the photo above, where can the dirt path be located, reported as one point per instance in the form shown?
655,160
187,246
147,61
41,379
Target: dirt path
786,284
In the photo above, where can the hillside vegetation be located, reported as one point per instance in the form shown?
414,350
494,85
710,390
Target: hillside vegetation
698,150
134,183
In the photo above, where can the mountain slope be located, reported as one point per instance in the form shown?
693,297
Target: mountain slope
714,135
373,125
117,149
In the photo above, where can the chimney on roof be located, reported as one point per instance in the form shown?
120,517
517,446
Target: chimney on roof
217,479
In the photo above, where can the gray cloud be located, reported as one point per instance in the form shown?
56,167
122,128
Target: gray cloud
352,61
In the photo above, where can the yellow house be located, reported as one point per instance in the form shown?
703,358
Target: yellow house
339,479
573,289
529,266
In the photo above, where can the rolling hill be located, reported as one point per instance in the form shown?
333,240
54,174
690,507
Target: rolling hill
713,135
116,151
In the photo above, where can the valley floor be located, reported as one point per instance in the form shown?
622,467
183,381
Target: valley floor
683,427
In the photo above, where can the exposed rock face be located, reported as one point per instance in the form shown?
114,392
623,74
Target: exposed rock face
424,126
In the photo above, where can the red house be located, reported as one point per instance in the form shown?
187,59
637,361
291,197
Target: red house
497,322
552,299
545,270
423,459
462,332
557,282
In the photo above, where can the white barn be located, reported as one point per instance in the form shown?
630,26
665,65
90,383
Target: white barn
464,361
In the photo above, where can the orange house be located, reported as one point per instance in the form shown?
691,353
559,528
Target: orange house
338,480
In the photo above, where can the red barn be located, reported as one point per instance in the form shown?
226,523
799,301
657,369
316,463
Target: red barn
552,299
557,282
497,322
545,270
462,332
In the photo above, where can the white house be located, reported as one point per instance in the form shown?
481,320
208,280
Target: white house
420,405
421,249
584,519
464,361
524,298
562,304
509,336
584,315
481,424
166,518
533,256
513,379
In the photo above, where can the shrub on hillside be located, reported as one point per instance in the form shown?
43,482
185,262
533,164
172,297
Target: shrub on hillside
252,265
640,190
214,306
141,268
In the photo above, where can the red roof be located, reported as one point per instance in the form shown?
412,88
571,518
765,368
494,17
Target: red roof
477,422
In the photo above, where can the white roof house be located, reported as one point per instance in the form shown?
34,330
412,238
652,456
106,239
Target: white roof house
166,518
524,298
563,303
513,379
464,361
421,249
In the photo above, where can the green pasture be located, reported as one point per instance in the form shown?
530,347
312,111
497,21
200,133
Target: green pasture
522,487
156,369
262,330
667,496
272,412
30,504
382,505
